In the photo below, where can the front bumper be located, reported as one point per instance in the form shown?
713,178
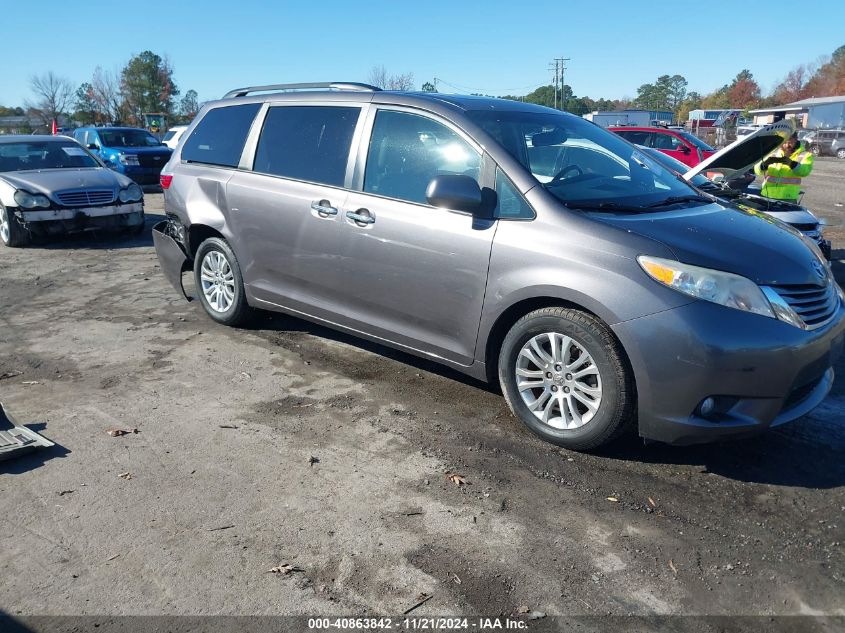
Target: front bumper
171,256
760,371
142,175
75,219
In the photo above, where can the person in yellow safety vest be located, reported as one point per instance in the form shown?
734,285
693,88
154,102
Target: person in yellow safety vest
783,170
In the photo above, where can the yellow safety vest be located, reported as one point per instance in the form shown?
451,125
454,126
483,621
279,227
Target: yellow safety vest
779,180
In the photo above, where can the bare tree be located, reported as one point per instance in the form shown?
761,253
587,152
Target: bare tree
53,96
105,88
380,78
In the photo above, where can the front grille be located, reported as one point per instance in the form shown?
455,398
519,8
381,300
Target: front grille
814,305
152,160
85,197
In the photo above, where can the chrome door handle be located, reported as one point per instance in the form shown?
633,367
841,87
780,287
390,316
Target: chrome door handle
360,217
323,207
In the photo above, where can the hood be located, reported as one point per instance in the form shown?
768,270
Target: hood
48,181
741,155
745,242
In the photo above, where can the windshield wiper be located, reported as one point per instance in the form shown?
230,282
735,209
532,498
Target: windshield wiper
678,200
604,206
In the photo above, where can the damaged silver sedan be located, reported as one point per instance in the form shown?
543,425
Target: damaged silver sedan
51,185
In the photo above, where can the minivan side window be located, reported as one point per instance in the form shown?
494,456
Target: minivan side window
307,143
218,139
408,150
510,204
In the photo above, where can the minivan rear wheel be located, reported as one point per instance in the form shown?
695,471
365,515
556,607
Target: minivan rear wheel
840,153
219,283
563,374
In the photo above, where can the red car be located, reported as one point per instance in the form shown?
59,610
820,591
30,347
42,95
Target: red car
676,143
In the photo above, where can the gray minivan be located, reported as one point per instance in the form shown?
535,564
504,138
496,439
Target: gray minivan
512,242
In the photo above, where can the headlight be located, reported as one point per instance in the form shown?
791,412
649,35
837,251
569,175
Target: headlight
128,159
719,287
132,193
27,200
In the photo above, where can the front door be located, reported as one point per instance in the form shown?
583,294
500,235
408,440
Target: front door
412,273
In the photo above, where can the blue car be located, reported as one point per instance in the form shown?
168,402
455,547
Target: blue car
130,151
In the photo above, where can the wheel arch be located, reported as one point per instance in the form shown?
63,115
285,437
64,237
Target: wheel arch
513,313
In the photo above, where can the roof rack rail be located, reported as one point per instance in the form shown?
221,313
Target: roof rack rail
331,85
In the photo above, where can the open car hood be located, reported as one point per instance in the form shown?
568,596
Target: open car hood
741,155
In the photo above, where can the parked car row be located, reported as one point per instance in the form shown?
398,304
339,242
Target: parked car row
826,143
514,243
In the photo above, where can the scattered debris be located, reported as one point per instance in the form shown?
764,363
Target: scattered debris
15,439
65,492
10,374
523,610
246,374
536,615
413,513
652,503
125,475
119,432
457,479
456,578
222,527
227,426
284,569
672,567
112,557
313,460
614,499
421,600
30,382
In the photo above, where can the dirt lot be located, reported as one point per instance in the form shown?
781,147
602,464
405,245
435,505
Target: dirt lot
288,443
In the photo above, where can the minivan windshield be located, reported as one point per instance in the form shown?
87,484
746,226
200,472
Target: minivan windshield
128,138
583,165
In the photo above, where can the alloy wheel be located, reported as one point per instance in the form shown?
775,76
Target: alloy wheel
558,380
218,281
4,226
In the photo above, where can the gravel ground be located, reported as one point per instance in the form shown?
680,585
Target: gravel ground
286,443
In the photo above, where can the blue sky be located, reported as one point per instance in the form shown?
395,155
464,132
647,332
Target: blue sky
492,47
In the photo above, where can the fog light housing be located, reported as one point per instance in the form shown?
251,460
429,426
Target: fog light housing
707,407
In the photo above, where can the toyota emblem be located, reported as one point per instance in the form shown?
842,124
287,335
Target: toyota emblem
819,269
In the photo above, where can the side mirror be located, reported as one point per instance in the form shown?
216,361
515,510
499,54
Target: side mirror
457,193
93,146
685,149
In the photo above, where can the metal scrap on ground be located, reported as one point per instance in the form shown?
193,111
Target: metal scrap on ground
16,440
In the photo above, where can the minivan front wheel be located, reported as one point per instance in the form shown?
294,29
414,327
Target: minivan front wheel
564,375
219,284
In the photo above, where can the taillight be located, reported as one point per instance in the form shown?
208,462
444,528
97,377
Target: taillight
165,181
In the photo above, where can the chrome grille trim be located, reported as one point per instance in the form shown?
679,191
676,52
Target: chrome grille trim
806,306
85,197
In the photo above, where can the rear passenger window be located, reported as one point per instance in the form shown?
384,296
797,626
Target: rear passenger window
408,150
218,139
307,143
510,204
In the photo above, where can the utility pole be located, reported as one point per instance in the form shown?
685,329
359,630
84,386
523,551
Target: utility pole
560,69
556,68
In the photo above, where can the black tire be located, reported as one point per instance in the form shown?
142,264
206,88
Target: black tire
17,235
238,312
615,412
